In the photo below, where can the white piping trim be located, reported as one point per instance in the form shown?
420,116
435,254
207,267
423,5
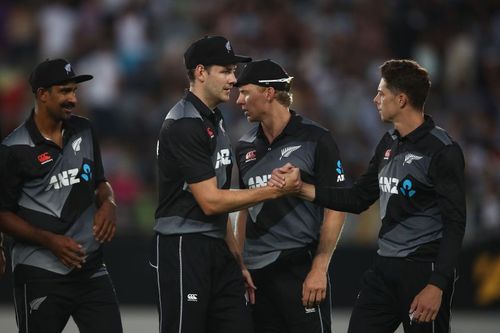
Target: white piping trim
26,307
320,319
180,275
15,308
455,279
158,278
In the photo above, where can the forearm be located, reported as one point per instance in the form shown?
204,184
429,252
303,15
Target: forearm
17,227
330,233
232,243
213,200
241,223
104,192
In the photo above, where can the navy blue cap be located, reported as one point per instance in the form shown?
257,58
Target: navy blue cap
54,72
265,73
212,50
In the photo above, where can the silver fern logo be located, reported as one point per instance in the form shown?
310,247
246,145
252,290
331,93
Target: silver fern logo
35,304
410,158
286,152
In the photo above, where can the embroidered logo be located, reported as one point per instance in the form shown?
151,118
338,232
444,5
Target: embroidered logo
310,310
407,189
410,158
387,154
251,156
286,152
210,132
35,304
76,144
340,172
228,47
68,69
192,297
44,158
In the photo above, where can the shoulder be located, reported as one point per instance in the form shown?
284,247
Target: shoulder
20,136
183,109
250,136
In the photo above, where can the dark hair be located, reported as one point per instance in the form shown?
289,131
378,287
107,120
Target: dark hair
408,77
190,73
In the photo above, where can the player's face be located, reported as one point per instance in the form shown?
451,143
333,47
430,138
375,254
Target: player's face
252,101
219,82
60,101
386,102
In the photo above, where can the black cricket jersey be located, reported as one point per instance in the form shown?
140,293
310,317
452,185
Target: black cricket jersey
419,180
193,146
53,188
289,222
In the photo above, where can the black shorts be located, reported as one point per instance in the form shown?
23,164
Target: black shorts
387,291
278,298
45,305
200,286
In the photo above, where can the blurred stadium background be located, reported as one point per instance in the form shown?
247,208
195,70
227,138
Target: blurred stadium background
333,49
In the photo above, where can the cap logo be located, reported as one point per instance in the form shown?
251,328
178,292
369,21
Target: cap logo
67,68
228,47
286,79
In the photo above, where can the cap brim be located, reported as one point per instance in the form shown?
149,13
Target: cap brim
229,60
75,79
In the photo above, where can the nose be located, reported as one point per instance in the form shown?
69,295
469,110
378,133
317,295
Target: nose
72,97
375,100
240,100
232,78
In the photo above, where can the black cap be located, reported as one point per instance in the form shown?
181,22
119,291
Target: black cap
265,73
54,72
212,50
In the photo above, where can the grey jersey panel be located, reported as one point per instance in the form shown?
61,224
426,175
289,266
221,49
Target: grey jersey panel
51,198
295,230
427,230
37,256
183,109
173,225
301,225
20,136
425,226
408,163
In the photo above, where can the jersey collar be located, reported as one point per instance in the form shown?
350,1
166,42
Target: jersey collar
418,132
204,110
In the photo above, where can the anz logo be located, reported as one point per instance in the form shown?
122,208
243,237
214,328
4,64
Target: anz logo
223,158
258,181
388,184
340,172
407,189
70,177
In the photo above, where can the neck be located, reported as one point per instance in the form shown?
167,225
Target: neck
49,127
275,123
201,94
409,121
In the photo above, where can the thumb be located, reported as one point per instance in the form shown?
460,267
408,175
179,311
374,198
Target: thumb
414,305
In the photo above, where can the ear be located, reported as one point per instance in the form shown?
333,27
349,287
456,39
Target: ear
402,100
42,94
200,72
269,93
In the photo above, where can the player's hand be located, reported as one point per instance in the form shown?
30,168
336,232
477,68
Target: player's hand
105,222
250,286
278,175
314,288
2,261
67,250
426,304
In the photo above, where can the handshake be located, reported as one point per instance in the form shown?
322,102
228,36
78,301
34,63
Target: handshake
287,180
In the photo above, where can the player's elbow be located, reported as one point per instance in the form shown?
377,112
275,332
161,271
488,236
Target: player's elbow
209,208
